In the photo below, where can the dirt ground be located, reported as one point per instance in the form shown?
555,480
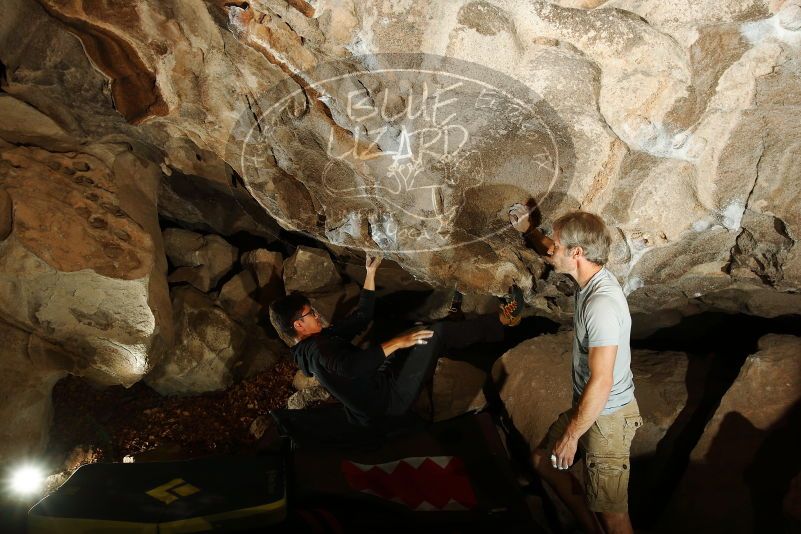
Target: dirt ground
91,424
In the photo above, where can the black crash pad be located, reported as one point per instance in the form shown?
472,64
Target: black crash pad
221,493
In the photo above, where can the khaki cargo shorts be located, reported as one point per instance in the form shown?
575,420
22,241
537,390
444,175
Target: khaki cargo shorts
605,447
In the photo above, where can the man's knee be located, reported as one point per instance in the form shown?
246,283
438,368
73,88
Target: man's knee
440,340
538,460
615,522
614,517
438,328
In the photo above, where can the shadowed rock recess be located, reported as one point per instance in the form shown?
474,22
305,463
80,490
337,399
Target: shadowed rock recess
167,168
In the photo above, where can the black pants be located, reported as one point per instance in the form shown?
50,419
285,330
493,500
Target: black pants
411,369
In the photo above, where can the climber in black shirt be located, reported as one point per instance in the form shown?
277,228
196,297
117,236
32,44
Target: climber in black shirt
378,381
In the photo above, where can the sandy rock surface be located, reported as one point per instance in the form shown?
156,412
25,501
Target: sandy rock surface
744,462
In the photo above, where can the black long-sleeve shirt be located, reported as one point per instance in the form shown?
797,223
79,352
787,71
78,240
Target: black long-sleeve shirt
349,373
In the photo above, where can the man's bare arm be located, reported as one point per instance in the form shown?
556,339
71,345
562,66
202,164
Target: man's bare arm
590,406
409,339
371,264
602,365
541,243
519,218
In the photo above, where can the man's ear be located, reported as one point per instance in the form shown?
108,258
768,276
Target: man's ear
576,252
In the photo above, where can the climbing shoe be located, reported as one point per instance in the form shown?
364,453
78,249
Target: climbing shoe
455,311
512,308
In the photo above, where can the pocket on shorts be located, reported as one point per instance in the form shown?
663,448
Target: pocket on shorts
607,481
605,426
630,426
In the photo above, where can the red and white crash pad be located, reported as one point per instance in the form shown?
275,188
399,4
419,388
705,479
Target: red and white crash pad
422,483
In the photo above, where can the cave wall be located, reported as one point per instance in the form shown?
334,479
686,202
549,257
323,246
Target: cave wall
676,124
400,127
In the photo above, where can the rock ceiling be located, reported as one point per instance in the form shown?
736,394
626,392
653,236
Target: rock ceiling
405,127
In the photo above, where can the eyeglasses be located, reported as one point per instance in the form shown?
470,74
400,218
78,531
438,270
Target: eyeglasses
310,312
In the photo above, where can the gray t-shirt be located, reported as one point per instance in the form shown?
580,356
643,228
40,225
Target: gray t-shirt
602,318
